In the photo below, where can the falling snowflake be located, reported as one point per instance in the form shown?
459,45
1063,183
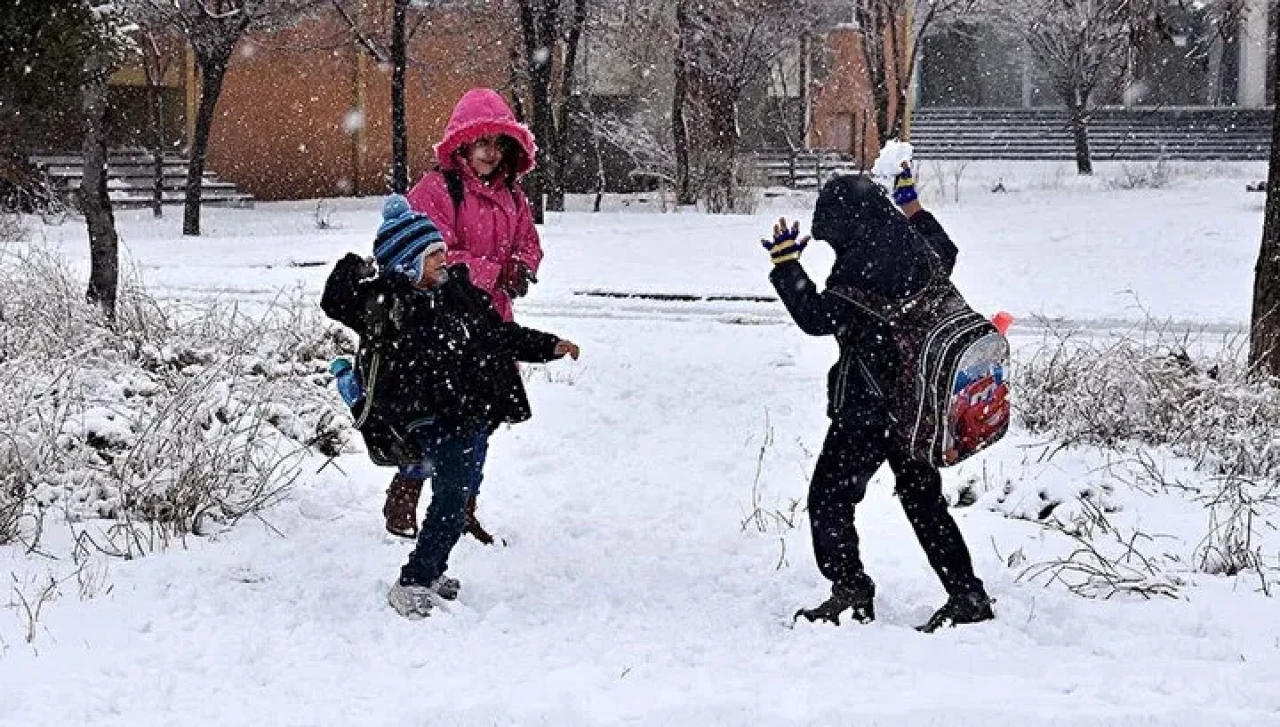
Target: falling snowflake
354,121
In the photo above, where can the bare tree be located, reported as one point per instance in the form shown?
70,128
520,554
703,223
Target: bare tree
1264,334
1085,47
550,32
213,28
685,43
892,33
393,53
629,45
157,60
783,91
725,47
104,49
1082,44
1218,27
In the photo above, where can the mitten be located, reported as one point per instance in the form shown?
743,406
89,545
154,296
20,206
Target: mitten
786,244
515,279
904,187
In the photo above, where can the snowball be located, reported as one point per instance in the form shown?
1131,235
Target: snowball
889,163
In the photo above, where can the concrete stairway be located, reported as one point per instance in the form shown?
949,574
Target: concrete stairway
1114,134
130,179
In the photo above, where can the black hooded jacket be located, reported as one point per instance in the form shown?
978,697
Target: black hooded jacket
876,254
446,355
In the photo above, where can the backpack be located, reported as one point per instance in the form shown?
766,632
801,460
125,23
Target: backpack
388,440
948,398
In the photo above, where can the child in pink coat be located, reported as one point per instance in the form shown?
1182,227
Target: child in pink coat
489,225
474,199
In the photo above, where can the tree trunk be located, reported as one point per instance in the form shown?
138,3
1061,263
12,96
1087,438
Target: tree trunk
399,125
157,150
532,183
679,96
597,152
898,128
872,18
154,67
212,73
551,199
103,242
731,168
1264,331
1079,122
572,35
722,122
538,37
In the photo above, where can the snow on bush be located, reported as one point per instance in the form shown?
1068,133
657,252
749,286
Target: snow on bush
1132,392
12,226
181,419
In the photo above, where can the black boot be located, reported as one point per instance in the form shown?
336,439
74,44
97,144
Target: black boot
965,608
856,597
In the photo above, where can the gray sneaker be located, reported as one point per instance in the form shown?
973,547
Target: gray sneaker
447,588
412,602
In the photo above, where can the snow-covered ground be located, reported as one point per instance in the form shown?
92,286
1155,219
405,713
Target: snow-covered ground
636,588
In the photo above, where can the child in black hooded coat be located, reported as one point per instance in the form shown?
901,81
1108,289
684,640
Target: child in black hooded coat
871,241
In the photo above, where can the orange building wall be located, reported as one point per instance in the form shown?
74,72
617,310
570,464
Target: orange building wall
843,116
283,127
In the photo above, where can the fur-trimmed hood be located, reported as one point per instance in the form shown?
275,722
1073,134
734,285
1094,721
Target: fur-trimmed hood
481,112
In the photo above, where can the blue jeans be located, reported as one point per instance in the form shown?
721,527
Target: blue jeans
453,461
423,471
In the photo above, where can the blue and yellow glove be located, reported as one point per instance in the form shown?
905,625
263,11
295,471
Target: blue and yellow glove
786,244
904,187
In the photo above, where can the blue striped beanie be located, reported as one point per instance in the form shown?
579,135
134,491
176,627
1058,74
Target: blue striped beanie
405,236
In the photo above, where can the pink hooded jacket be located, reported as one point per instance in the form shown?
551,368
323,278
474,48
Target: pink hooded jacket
494,225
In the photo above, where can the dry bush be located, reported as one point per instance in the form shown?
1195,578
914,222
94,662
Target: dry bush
1143,387
13,227
12,506
1149,175
1105,562
167,423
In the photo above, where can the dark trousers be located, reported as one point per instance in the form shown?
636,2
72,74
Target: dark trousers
850,456
453,461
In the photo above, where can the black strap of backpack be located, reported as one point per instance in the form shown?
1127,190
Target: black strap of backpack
377,317
453,182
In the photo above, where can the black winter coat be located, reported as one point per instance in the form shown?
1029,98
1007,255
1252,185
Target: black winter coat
447,357
869,236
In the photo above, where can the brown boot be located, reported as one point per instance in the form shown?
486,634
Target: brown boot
401,508
473,527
